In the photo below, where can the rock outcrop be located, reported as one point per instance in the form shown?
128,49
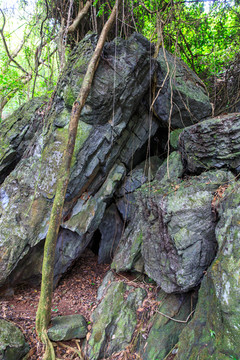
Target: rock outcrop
172,218
110,132
215,332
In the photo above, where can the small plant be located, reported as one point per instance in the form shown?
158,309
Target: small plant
55,309
212,333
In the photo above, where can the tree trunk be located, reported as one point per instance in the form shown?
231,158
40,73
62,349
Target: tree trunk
44,307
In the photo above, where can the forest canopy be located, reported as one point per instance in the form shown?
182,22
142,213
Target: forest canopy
37,36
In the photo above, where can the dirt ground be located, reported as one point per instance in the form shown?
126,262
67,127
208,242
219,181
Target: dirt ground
75,294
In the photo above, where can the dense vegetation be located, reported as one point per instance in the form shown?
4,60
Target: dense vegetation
37,36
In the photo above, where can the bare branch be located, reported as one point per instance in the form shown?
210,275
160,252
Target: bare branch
6,47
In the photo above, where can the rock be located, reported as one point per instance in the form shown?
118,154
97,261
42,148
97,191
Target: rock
171,169
213,143
105,147
123,62
111,228
12,343
108,279
128,255
203,334
214,333
174,137
114,320
179,242
189,96
16,133
142,173
68,327
69,247
164,334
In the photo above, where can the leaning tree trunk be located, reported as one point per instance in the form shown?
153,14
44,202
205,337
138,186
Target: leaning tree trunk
44,307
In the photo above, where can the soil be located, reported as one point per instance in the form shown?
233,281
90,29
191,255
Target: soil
76,294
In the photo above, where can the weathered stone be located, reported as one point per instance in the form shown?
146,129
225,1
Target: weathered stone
108,279
17,131
171,169
68,327
200,339
181,93
12,343
164,333
122,75
111,228
114,320
213,143
179,240
70,246
139,175
102,143
135,178
129,249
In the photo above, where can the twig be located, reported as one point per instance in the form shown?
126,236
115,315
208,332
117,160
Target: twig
71,348
176,320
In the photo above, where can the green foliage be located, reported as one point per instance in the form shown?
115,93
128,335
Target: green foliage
206,37
24,37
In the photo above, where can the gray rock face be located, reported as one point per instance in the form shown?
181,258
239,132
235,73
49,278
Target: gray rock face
17,131
164,334
12,343
179,242
111,134
128,255
213,143
189,96
138,176
111,229
114,320
68,327
215,332
129,252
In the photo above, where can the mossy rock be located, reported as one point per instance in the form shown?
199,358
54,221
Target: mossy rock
68,327
12,343
114,320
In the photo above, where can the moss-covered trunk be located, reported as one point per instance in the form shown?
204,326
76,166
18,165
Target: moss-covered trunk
45,302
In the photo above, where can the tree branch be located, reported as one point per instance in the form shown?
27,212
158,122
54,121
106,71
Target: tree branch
79,17
6,47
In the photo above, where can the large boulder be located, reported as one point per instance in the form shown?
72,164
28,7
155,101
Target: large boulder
214,333
111,132
181,97
12,343
213,143
179,241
